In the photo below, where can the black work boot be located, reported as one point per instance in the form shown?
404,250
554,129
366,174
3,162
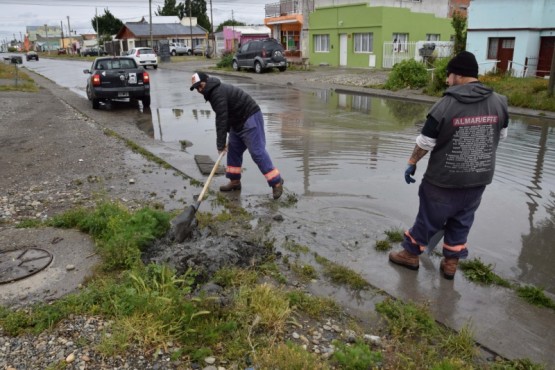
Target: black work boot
405,258
277,189
231,185
449,266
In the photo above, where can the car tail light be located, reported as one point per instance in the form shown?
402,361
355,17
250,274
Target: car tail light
146,78
263,52
96,80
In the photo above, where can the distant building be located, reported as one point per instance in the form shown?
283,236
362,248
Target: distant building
238,35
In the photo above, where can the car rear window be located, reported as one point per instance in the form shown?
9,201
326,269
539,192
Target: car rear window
116,64
146,51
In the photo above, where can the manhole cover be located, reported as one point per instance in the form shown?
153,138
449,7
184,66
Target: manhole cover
18,264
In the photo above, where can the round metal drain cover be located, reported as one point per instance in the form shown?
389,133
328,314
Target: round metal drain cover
18,264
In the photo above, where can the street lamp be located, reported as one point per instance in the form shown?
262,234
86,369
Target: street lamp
46,44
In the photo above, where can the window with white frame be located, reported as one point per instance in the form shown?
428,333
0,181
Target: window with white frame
493,44
364,42
321,43
400,42
432,37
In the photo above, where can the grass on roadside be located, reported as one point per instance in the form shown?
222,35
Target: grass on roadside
248,330
24,81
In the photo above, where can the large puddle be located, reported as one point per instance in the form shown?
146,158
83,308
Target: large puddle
344,156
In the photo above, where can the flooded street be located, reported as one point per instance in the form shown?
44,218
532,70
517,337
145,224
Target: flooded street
343,157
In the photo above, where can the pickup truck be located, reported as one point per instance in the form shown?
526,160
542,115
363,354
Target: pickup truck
179,49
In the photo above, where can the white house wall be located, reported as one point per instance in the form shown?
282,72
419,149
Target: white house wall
526,21
438,7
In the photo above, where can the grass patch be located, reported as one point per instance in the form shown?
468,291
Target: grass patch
383,245
535,296
341,275
530,92
304,272
357,356
477,271
13,71
315,307
395,235
295,247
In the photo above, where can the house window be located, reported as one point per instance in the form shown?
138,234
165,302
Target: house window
400,42
290,40
321,43
493,45
432,37
364,42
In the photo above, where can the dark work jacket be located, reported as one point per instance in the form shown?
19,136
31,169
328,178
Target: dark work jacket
232,106
468,121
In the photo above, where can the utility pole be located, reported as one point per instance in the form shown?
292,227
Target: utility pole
212,38
97,33
191,23
69,32
46,44
62,27
150,21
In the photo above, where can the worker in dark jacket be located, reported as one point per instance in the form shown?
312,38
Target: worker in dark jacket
239,115
461,132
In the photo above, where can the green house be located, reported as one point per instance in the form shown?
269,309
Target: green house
362,36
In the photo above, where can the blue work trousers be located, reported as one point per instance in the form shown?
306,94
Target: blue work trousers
447,208
251,138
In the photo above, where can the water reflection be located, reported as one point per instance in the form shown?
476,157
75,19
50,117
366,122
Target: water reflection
353,148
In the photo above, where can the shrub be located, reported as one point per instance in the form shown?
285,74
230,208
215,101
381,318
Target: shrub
226,60
437,83
408,73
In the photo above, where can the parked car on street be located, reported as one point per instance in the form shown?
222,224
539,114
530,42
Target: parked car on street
96,52
113,78
260,55
144,57
202,50
62,51
32,55
179,49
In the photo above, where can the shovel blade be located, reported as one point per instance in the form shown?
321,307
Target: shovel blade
434,240
183,224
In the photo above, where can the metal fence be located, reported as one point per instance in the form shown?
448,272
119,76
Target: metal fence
395,52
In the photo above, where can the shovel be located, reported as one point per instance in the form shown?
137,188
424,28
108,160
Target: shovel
434,240
182,225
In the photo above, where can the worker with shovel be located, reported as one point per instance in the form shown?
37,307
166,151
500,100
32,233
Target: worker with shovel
461,132
239,115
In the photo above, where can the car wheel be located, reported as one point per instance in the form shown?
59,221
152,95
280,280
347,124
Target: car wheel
190,52
282,69
235,65
155,66
173,53
96,103
146,101
258,67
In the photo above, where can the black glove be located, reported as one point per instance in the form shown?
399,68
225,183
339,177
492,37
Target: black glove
411,169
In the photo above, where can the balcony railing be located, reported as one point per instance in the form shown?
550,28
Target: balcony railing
283,8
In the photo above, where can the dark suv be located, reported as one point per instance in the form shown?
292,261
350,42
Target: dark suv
260,55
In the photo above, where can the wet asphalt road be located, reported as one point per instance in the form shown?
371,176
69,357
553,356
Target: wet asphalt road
342,219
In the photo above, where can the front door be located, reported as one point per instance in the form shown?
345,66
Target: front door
343,50
547,45
505,50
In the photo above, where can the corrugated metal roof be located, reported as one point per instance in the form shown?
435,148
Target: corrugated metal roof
164,29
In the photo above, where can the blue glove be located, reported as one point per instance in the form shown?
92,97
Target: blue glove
411,169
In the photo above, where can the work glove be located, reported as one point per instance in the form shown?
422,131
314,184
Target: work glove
411,169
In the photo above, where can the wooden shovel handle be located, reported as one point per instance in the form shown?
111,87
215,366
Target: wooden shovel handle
210,177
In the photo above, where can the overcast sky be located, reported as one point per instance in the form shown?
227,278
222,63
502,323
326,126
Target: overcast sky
15,15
